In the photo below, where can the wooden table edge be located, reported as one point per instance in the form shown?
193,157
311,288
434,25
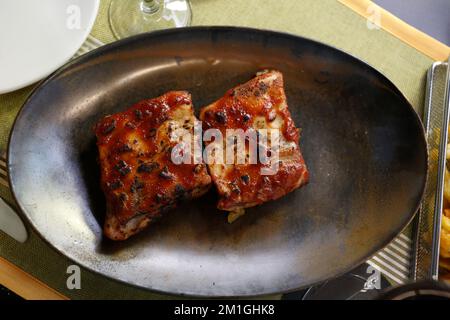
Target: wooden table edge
24,284
417,39
28,287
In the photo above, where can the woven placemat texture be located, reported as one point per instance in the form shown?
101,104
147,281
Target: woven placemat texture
327,21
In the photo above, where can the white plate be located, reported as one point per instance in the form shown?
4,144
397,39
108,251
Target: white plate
39,36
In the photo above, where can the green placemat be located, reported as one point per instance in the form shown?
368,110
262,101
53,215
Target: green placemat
327,21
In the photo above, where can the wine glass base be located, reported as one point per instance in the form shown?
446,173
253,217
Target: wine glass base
127,18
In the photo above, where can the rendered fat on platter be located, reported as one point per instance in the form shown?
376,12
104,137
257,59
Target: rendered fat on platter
141,181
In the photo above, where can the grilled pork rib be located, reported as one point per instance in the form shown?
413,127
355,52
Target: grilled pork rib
257,104
138,177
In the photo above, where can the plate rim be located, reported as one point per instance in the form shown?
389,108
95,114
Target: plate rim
124,42
63,61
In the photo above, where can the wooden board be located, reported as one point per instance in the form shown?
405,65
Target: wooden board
24,284
400,29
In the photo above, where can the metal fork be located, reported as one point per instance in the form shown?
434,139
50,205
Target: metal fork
91,43
428,222
10,221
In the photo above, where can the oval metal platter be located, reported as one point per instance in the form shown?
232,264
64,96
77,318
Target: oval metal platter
361,139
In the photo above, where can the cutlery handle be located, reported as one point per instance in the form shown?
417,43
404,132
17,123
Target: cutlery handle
11,224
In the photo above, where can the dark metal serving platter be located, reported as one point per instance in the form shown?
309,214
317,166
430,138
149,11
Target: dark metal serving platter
361,139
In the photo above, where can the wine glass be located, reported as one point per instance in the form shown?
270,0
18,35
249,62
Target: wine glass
130,17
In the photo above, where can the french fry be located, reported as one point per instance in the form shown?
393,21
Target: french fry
445,238
447,186
444,262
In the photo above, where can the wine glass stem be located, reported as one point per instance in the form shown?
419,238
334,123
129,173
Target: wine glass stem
150,6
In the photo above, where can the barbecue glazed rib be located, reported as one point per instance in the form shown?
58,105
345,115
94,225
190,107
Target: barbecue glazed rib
138,176
257,104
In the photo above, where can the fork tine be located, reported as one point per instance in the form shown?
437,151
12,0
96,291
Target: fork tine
3,160
3,172
95,41
3,176
91,43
